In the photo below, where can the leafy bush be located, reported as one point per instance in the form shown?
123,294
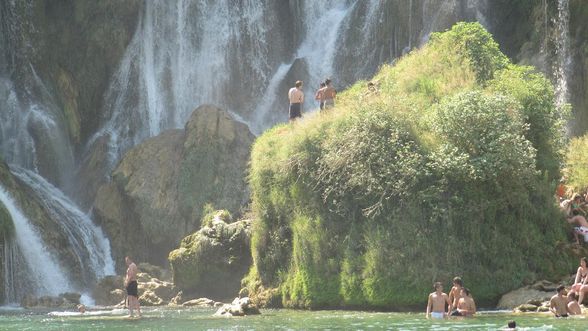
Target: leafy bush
577,163
436,174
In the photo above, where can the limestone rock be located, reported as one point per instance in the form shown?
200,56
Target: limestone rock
109,291
521,296
545,286
164,290
177,300
148,298
239,307
526,308
160,186
63,301
201,302
212,261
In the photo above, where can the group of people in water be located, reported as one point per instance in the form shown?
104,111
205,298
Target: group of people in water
459,302
325,96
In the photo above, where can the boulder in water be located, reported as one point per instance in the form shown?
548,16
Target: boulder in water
239,307
212,261
201,302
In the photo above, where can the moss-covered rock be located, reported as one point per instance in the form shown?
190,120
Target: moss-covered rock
212,261
160,187
444,170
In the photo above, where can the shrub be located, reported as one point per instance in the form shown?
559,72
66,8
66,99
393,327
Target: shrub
435,175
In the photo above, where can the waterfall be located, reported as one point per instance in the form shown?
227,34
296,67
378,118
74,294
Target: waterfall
34,140
184,54
322,23
88,242
563,59
44,274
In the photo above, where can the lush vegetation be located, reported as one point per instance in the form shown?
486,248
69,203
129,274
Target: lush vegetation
445,168
577,163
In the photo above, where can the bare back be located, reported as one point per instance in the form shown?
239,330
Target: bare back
329,93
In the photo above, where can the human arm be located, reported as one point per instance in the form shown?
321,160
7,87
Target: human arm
579,276
552,307
451,298
429,303
448,305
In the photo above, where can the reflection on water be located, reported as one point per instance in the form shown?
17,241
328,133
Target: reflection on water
203,319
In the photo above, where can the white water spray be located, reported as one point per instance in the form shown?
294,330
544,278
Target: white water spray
563,59
89,243
46,276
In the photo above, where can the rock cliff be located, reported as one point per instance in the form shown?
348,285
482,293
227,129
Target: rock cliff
159,188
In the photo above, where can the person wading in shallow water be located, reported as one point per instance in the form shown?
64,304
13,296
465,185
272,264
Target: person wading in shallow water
437,302
131,287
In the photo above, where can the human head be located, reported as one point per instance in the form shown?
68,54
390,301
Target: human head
128,260
328,81
298,83
572,296
457,281
560,289
584,262
465,291
81,308
437,286
577,197
323,84
512,324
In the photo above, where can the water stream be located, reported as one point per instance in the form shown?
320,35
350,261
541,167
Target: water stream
43,274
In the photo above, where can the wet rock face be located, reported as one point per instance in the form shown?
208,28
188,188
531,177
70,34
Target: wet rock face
158,189
212,261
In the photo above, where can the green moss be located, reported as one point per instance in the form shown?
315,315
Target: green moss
444,169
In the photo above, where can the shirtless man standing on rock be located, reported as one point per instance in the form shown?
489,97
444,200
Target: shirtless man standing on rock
437,302
131,287
559,303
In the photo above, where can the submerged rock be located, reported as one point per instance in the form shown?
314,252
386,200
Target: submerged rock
159,188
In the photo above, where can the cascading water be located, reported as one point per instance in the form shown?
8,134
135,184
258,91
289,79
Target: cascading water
43,274
239,55
184,54
322,22
87,241
35,143
563,59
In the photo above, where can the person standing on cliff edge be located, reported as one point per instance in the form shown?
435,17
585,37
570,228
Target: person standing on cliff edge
328,95
296,97
131,287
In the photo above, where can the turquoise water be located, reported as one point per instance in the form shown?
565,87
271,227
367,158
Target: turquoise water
202,319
